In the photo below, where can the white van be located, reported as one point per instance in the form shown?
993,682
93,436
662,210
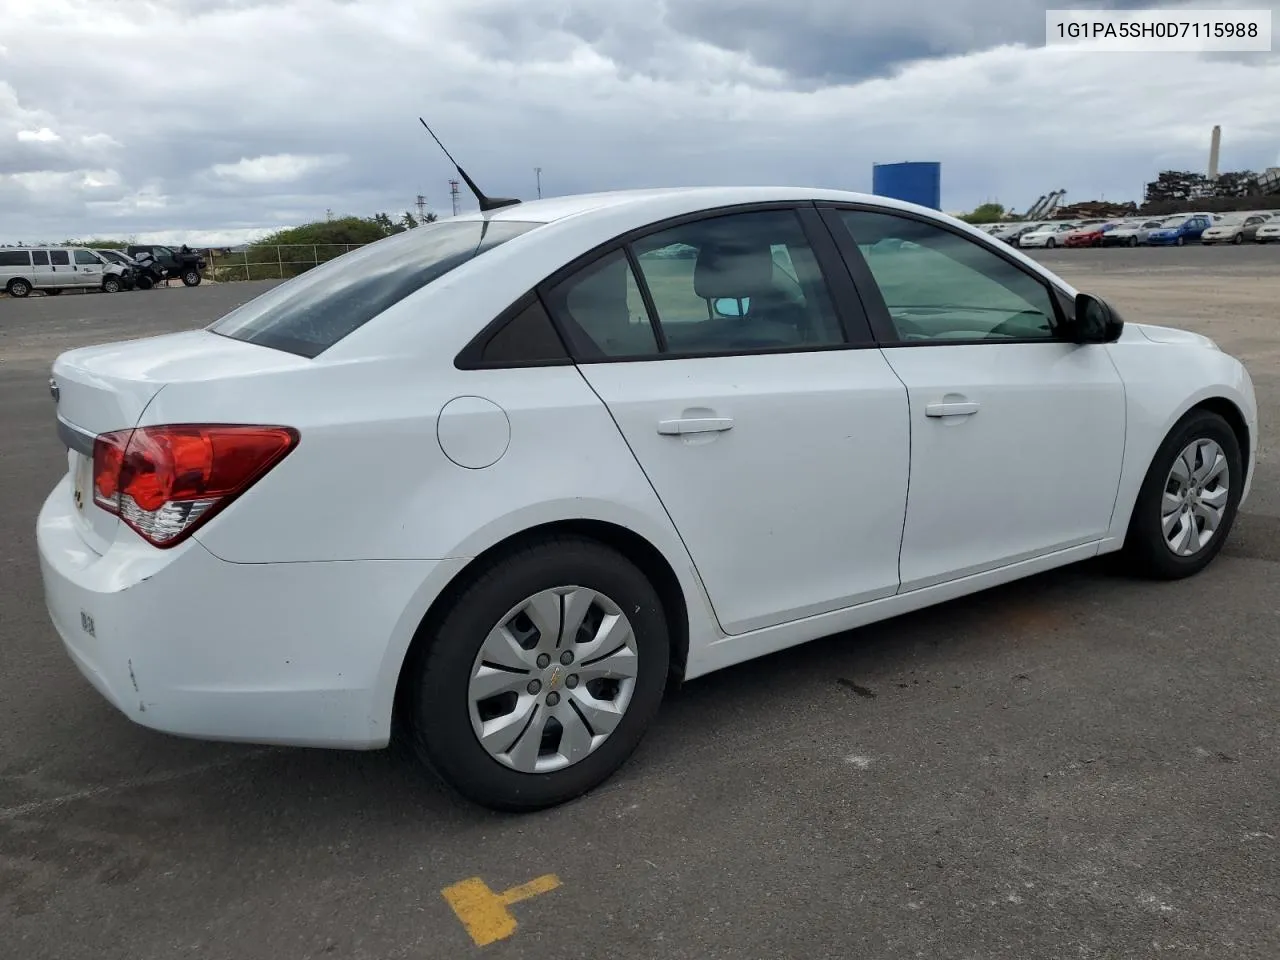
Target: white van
54,269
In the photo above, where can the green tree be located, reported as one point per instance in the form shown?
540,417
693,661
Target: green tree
986,213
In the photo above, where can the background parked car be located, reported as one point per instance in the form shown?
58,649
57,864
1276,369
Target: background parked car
1050,235
130,277
1180,230
1233,231
1132,233
182,263
1088,236
55,269
1268,232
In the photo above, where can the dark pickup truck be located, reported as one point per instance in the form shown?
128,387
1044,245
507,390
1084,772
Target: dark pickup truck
182,263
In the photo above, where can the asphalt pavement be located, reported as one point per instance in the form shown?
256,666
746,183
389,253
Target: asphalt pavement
1078,765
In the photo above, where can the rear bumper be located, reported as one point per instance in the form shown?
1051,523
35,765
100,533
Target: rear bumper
300,654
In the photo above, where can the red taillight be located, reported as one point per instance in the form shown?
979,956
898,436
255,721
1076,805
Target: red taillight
164,482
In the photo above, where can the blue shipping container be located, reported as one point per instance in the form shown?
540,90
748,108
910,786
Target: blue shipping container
914,182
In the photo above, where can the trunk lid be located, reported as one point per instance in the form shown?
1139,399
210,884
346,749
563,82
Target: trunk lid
108,387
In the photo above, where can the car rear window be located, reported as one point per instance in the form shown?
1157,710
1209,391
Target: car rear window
311,313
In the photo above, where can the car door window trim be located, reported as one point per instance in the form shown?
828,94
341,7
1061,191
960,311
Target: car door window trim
873,298
850,310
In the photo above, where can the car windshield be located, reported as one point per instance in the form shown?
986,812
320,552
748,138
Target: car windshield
312,312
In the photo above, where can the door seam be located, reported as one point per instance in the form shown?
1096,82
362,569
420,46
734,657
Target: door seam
649,480
911,427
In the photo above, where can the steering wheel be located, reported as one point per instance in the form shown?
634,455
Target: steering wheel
908,328
1008,328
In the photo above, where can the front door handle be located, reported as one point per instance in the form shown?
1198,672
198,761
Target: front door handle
951,409
686,425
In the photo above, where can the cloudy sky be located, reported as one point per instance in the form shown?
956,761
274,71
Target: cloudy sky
211,121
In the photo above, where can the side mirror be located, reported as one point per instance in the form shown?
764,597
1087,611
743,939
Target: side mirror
731,306
1095,321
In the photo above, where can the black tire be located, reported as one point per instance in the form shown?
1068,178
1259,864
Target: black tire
1179,242
111,285
1238,238
1146,551
191,277
436,678
19,288
1050,243
145,283
1132,241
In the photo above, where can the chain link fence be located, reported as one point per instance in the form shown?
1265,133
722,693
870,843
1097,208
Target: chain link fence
270,262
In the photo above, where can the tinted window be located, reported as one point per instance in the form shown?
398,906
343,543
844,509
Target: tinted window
40,258
601,309
737,283
15,258
939,285
60,258
528,338
311,313
87,259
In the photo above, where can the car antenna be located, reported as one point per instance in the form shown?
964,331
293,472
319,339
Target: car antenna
486,203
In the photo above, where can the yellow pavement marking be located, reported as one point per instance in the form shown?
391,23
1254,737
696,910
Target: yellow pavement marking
484,914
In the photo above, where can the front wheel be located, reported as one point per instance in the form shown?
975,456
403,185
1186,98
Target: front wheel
111,285
1132,241
1188,500
540,680
1179,242
1238,238
191,277
1050,243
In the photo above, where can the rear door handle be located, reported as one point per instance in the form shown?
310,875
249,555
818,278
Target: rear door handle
951,409
687,425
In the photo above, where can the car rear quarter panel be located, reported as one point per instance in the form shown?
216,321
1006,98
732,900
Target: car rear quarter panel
1162,382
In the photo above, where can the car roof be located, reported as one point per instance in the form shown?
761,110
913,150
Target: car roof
661,200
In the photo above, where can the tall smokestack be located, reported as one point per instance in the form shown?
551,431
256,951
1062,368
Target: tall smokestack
1214,145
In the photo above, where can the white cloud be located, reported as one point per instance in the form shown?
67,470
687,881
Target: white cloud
278,168
598,93
43,135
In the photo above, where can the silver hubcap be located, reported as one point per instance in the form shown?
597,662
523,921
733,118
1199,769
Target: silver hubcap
553,679
1195,497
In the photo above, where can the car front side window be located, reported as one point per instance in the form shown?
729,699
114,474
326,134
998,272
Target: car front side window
941,286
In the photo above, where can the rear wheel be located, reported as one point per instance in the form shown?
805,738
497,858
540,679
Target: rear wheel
19,288
1188,500
541,679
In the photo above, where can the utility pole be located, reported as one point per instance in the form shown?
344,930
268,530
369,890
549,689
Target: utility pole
538,173
421,204
453,195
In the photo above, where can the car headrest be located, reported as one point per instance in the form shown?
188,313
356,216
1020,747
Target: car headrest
731,271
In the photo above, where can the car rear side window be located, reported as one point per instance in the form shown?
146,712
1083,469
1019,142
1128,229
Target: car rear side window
311,313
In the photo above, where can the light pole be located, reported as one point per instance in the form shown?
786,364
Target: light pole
538,173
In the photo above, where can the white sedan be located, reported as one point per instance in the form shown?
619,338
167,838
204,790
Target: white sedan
1051,235
496,480
1269,232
